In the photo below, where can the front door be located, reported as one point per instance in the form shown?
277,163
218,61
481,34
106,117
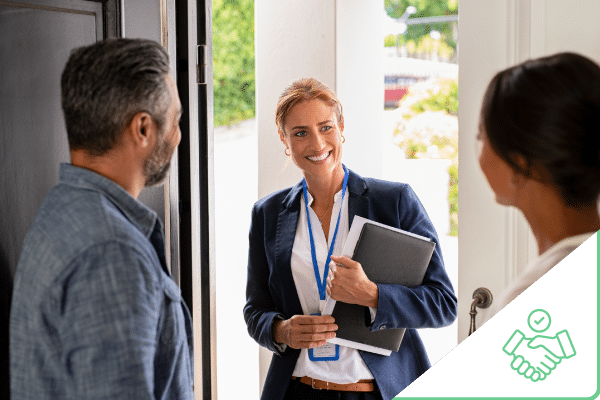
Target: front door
36,39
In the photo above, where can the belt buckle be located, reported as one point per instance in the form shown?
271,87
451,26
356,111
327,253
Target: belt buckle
312,384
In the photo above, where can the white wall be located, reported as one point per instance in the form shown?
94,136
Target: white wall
359,83
283,29
494,242
338,42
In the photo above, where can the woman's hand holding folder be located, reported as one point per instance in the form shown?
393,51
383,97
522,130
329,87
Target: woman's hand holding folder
348,283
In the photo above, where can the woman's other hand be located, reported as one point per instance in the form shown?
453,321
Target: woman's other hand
304,331
348,283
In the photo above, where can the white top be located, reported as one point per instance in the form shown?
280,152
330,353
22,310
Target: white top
350,367
535,269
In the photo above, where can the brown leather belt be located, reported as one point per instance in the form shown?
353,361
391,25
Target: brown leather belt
364,385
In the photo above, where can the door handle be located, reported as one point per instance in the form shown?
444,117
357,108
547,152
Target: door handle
482,298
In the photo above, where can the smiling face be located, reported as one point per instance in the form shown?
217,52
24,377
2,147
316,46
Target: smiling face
313,134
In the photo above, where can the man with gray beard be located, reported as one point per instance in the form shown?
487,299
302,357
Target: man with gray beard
95,313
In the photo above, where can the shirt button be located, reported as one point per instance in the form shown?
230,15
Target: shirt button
382,327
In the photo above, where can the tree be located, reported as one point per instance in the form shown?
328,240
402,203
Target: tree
417,34
233,60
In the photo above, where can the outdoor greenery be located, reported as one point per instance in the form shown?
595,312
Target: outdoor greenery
429,129
389,41
417,37
233,60
445,99
453,197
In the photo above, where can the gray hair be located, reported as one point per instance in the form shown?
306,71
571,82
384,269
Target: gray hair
106,84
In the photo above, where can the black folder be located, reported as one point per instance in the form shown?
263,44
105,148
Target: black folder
387,255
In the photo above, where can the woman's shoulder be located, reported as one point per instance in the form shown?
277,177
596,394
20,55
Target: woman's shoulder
388,195
383,185
386,189
275,199
374,183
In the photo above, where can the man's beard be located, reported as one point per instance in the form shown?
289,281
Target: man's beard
157,165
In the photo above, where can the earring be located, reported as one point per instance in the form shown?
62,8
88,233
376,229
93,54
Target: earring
287,151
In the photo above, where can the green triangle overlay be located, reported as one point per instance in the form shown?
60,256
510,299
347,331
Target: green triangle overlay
479,368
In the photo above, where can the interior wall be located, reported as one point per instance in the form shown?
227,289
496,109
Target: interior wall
360,84
283,29
569,26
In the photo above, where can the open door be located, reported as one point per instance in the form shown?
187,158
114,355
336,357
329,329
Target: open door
196,194
36,39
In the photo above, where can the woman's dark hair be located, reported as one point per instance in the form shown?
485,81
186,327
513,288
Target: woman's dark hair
104,85
547,111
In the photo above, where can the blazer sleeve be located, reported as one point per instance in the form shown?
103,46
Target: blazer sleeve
432,304
260,309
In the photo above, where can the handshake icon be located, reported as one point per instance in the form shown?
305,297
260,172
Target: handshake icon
534,358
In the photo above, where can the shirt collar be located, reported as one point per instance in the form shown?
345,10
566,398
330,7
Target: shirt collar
336,198
357,186
135,211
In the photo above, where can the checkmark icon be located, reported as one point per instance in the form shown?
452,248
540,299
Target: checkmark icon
539,320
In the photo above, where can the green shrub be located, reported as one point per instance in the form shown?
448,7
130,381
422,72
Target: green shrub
389,41
446,99
453,197
233,61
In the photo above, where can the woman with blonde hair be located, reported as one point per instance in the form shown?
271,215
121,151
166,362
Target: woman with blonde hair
295,233
540,153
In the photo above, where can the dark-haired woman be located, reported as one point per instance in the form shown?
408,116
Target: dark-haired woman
540,153
293,235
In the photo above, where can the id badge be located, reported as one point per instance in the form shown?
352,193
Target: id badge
329,352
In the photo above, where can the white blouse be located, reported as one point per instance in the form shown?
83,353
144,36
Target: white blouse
350,367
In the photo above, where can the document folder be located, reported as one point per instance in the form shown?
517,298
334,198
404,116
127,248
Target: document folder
387,255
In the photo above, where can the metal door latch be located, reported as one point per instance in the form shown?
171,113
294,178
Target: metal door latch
482,298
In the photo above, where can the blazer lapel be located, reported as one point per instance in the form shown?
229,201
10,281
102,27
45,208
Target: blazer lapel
287,223
358,202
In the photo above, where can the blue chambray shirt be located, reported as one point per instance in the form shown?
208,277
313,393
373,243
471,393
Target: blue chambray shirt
94,314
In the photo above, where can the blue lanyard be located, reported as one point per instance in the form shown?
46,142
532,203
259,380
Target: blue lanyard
321,284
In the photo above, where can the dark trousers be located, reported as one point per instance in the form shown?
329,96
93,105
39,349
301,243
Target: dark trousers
301,391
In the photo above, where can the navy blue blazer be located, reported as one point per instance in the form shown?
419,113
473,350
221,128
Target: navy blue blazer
271,292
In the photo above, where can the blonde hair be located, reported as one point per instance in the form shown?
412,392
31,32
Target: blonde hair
302,90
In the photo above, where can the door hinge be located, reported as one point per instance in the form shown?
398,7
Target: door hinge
201,65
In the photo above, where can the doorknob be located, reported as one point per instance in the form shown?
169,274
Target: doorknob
482,298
